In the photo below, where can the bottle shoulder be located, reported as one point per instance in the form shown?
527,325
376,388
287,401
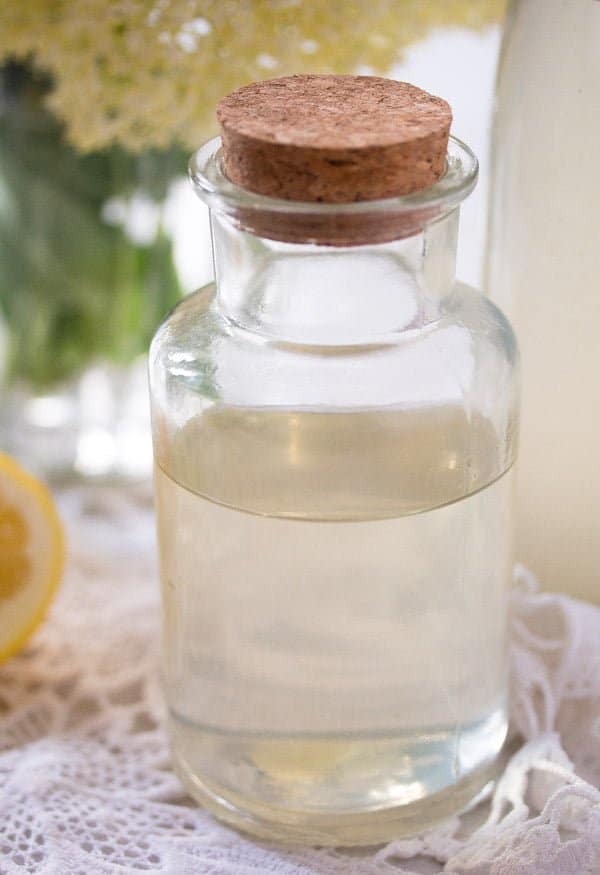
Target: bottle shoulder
484,320
192,316
413,423
471,342
196,320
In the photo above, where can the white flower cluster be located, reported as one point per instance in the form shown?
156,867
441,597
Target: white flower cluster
148,72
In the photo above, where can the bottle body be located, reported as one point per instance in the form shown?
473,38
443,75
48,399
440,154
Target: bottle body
334,430
542,267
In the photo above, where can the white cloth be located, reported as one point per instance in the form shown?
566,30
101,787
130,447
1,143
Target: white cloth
85,785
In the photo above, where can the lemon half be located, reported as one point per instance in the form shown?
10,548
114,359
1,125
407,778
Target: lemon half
31,554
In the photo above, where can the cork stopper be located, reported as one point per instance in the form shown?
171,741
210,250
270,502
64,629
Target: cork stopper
332,139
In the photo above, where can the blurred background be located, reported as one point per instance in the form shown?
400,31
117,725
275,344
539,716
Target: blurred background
100,233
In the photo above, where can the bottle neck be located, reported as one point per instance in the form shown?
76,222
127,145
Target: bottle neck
324,295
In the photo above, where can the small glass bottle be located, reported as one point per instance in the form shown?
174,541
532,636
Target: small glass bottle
334,426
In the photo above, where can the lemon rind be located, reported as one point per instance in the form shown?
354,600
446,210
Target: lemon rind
45,504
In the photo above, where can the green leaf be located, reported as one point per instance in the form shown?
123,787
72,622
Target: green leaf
74,288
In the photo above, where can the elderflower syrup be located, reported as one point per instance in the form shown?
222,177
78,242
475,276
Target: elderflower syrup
334,429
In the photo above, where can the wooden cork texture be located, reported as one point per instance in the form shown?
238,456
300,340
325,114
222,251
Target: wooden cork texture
333,139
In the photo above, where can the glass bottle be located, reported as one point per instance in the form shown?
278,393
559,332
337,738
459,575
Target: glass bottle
334,427
543,265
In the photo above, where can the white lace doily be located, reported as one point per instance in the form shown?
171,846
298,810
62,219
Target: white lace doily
85,785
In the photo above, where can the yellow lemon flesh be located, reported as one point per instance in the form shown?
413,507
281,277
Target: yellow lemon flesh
31,554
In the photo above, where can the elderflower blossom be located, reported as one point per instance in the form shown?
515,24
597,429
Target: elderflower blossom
148,73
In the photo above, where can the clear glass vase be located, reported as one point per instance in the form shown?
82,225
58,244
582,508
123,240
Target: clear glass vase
542,268
94,426
334,427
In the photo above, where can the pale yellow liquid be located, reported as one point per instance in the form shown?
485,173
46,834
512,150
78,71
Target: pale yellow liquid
335,600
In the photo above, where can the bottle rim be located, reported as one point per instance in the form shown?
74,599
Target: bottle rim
354,223
211,184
